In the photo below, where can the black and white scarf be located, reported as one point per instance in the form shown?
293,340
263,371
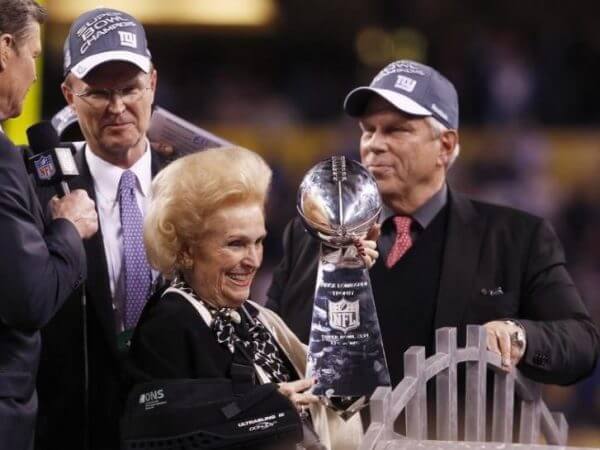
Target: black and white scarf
257,342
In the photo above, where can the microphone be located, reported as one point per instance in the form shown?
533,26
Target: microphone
52,163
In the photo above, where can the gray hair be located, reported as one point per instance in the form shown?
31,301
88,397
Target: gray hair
438,128
16,17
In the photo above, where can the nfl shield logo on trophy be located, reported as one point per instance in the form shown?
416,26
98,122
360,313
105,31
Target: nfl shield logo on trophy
45,167
344,315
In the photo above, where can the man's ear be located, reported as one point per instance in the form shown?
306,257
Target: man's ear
449,141
153,80
6,47
67,92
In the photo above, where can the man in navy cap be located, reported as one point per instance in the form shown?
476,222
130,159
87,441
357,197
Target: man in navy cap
446,260
110,83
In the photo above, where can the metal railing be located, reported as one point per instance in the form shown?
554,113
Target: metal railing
410,397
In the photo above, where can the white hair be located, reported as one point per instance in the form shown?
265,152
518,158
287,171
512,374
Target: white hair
438,128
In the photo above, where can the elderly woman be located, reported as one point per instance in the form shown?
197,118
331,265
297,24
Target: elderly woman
204,231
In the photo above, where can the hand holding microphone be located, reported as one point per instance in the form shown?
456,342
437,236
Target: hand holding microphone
79,208
52,165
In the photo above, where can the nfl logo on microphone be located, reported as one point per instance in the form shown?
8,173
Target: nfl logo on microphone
45,167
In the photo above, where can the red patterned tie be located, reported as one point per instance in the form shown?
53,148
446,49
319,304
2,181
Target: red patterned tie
403,240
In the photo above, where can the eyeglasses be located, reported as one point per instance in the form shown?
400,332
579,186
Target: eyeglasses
101,98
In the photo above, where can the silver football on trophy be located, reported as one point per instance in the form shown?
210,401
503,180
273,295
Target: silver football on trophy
338,201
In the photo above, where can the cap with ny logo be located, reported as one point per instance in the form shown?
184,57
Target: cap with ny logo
103,35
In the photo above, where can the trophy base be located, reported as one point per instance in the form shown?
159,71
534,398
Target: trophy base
346,406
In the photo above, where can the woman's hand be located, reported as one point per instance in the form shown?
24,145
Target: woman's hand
163,149
367,247
295,391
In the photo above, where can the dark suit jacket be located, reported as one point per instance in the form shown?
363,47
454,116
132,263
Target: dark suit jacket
61,380
173,341
40,265
486,247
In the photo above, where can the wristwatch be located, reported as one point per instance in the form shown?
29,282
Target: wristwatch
517,338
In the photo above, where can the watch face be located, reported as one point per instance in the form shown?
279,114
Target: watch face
518,339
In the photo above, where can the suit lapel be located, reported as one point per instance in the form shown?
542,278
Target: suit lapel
98,285
460,260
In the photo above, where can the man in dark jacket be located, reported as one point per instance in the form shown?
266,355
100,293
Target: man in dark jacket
446,260
110,84
41,262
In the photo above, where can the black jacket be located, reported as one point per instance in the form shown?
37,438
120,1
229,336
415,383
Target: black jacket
172,341
486,247
41,263
61,381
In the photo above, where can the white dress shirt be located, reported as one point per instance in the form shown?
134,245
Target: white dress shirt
106,178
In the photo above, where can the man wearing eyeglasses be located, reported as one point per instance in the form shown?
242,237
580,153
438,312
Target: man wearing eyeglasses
110,83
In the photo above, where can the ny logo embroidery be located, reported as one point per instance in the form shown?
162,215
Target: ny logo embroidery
128,39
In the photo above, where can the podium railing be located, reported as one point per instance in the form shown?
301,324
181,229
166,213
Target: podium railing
410,397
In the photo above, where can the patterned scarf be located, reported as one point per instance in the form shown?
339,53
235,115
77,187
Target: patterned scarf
257,342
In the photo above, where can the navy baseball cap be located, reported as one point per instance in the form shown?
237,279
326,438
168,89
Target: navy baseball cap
413,88
103,35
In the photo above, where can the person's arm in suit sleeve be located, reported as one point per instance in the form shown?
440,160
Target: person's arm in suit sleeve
562,340
282,272
37,271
